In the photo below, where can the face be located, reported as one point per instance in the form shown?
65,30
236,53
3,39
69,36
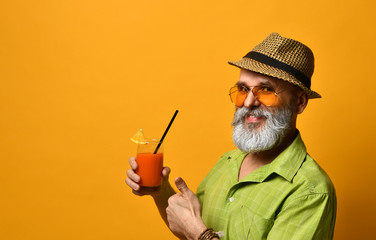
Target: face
258,127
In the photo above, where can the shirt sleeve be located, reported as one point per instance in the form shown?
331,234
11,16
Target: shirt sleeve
308,217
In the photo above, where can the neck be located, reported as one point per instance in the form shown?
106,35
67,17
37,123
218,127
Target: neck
258,159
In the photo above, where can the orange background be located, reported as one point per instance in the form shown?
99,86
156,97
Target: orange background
78,78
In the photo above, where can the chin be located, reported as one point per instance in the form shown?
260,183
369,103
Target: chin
253,126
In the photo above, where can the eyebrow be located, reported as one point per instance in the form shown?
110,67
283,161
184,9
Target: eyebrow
243,84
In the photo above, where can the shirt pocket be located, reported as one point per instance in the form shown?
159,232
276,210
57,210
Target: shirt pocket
256,226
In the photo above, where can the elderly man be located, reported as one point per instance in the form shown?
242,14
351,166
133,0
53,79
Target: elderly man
269,188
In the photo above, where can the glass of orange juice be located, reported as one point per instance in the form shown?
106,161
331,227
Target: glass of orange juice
150,164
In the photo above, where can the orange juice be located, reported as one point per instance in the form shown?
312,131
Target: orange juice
150,169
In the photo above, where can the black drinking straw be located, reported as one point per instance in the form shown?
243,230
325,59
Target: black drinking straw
164,134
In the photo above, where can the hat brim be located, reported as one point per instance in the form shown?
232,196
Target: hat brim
253,65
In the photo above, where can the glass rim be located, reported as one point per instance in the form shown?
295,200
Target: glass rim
149,140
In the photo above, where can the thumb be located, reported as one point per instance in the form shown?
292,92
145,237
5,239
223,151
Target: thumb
182,186
166,172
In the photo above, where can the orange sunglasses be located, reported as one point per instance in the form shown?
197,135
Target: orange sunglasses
264,95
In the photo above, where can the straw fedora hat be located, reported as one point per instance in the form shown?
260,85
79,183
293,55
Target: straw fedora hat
282,58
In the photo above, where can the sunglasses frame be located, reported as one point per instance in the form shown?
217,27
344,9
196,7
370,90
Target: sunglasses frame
255,95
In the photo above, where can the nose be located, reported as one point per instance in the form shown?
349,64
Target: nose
251,101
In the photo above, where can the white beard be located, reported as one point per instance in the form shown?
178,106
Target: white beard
257,138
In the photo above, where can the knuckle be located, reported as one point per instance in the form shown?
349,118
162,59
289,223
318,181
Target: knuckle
131,184
171,200
134,166
132,160
129,173
128,182
132,175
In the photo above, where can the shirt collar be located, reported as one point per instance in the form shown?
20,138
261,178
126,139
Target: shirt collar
290,160
285,164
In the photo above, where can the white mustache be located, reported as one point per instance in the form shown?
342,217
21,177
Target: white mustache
242,113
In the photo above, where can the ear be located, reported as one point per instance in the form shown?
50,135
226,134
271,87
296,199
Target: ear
301,102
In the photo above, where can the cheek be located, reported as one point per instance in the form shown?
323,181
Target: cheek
288,101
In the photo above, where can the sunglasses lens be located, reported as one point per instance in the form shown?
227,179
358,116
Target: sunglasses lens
265,95
237,97
240,98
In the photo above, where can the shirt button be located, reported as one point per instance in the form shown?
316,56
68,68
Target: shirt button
231,199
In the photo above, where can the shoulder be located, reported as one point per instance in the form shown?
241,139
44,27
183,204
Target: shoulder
312,179
312,193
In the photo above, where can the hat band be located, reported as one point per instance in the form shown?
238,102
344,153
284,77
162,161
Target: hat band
262,58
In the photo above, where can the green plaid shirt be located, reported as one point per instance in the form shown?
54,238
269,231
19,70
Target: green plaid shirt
290,198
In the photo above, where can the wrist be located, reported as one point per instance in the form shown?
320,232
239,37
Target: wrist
208,234
196,230
201,228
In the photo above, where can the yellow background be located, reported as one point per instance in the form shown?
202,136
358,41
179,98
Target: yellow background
78,78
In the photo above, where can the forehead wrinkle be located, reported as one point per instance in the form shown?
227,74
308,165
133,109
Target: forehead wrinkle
260,82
